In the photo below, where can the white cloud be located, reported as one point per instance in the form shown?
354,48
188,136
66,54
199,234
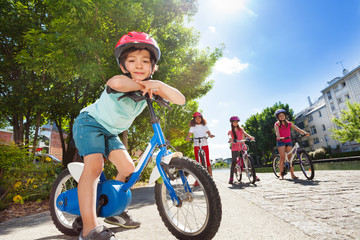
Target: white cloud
212,29
212,123
230,66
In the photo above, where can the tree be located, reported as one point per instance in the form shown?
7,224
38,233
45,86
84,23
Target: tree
261,126
348,125
71,48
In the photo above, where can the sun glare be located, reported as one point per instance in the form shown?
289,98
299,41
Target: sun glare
231,6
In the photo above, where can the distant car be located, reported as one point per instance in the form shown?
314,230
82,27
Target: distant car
44,157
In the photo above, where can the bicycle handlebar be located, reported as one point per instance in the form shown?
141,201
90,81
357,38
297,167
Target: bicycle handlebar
138,96
245,140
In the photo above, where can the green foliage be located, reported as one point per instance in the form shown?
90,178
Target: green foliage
348,125
20,179
65,48
221,165
261,126
345,154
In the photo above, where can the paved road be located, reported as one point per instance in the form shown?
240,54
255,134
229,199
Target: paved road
326,208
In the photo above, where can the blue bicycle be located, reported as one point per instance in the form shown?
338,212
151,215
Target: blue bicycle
188,211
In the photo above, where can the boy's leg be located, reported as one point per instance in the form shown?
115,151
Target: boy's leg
87,186
125,166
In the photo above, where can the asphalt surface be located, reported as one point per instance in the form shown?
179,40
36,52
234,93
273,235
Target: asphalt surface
326,208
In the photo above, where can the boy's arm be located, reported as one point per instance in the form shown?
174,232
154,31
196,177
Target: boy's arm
163,90
122,83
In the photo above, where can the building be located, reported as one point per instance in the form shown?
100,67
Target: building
315,119
337,92
49,139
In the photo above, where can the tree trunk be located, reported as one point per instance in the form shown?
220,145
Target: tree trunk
124,138
38,121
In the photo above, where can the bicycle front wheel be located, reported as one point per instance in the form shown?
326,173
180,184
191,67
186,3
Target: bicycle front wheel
202,158
306,165
62,220
250,169
199,214
276,165
238,173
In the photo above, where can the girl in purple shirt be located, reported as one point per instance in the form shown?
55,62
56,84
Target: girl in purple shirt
283,139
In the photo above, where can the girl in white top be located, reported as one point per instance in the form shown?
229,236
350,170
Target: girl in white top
199,129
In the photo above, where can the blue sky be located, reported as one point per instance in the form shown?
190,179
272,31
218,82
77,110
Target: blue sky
276,50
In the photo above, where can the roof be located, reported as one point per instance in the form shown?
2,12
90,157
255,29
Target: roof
338,79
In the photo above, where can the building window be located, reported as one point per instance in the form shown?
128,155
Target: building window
329,95
301,125
347,96
310,118
320,114
339,100
305,144
323,127
316,140
343,84
313,130
332,106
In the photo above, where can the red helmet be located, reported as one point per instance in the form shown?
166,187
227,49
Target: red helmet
139,40
197,114
234,118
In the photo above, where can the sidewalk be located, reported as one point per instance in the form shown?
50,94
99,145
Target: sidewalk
272,209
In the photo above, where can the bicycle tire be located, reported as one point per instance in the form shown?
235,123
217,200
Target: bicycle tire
276,165
250,169
202,158
199,215
63,221
238,172
306,165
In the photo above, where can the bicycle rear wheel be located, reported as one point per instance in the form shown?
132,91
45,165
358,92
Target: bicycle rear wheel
306,165
199,214
276,165
250,169
62,220
238,173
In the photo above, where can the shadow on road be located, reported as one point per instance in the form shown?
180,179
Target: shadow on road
304,182
240,185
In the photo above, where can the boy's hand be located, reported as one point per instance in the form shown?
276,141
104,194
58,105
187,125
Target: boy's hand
150,86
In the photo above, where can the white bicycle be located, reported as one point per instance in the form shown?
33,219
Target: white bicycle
302,158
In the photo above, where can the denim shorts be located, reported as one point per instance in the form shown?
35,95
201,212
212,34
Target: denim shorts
280,144
91,137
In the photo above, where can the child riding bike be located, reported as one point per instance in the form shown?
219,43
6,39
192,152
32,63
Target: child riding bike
199,129
283,139
97,127
236,133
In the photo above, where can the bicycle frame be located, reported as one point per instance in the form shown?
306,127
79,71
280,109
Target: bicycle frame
200,147
157,140
293,150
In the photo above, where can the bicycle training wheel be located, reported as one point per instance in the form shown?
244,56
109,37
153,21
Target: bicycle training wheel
276,165
306,165
199,214
238,173
250,169
62,220
202,158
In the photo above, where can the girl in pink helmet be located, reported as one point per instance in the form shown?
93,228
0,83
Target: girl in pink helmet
97,127
199,129
283,139
236,133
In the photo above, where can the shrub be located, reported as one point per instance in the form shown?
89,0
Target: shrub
20,179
